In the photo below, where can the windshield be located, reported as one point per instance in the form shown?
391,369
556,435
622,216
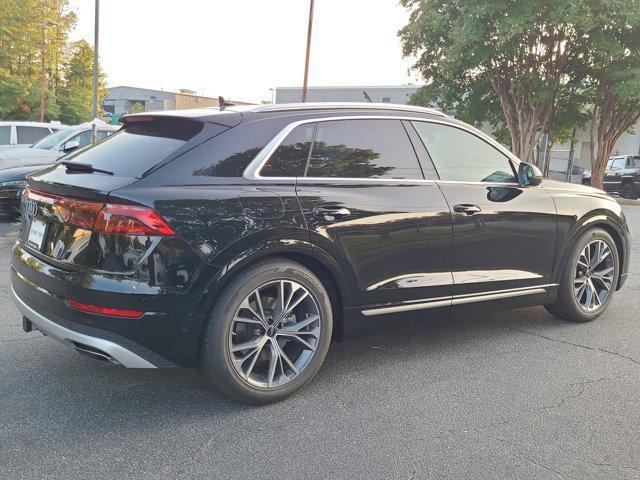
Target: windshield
50,141
138,147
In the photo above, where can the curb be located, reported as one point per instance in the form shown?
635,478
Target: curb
627,201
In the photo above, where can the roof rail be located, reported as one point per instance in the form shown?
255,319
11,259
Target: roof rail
285,107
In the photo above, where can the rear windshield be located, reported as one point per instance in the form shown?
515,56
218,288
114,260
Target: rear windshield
138,147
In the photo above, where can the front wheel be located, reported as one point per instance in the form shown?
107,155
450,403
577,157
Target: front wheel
589,279
627,191
269,332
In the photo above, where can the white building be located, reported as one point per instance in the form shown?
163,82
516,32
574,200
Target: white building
380,94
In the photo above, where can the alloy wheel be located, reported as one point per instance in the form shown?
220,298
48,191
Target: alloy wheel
274,334
594,275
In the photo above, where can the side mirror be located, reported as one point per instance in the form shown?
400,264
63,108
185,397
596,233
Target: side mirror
70,145
529,175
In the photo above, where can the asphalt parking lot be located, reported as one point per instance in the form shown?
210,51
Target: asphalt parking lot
515,394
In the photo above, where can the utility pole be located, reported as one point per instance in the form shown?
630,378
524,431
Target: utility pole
43,72
306,62
96,31
572,149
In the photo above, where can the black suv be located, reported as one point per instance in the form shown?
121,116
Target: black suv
621,176
245,240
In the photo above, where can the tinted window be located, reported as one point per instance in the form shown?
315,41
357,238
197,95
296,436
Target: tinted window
290,158
5,134
138,147
30,135
363,149
461,156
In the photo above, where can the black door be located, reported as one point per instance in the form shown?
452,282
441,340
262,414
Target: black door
612,181
367,204
504,235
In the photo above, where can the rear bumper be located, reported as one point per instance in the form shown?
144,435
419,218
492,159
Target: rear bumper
74,340
167,335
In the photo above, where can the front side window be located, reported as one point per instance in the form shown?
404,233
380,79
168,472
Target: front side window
29,135
363,149
83,138
290,158
459,155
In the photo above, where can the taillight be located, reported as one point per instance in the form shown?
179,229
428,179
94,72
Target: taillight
103,218
130,220
111,312
79,213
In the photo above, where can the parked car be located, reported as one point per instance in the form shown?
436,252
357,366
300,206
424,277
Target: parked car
50,148
22,134
245,240
621,176
13,181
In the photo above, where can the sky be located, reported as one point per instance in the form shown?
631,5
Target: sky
241,48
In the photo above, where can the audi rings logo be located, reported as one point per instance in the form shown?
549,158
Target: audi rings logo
29,206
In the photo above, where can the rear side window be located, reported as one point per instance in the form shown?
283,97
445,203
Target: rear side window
290,158
363,149
138,147
460,156
31,135
5,134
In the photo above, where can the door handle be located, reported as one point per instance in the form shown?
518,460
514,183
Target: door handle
466,209
331,213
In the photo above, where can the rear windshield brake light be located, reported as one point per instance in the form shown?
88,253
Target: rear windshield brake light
103,218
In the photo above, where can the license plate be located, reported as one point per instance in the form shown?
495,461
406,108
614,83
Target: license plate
36,234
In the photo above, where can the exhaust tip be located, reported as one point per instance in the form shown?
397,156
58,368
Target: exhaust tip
94,353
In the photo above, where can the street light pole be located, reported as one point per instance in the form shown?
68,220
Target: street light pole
306,62
96,31
95,60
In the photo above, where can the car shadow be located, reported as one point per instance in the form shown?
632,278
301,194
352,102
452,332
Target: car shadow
68,383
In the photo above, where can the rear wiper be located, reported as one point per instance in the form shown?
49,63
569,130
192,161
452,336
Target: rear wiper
84,168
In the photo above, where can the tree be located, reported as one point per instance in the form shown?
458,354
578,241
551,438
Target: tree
33,36
75,94
611,59
517,50
137,107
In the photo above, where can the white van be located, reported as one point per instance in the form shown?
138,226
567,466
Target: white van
22,134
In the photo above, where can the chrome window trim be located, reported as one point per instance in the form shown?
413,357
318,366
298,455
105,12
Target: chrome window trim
252,172
458,299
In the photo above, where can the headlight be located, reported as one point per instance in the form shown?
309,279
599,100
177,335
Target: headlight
15,184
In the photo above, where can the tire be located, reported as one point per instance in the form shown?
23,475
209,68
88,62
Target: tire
627,191
232,326
568,306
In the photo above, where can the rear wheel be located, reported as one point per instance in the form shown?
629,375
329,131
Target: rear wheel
589,280
269,332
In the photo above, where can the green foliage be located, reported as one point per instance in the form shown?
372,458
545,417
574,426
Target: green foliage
366,96
35,59
500,61
137,107
76,94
